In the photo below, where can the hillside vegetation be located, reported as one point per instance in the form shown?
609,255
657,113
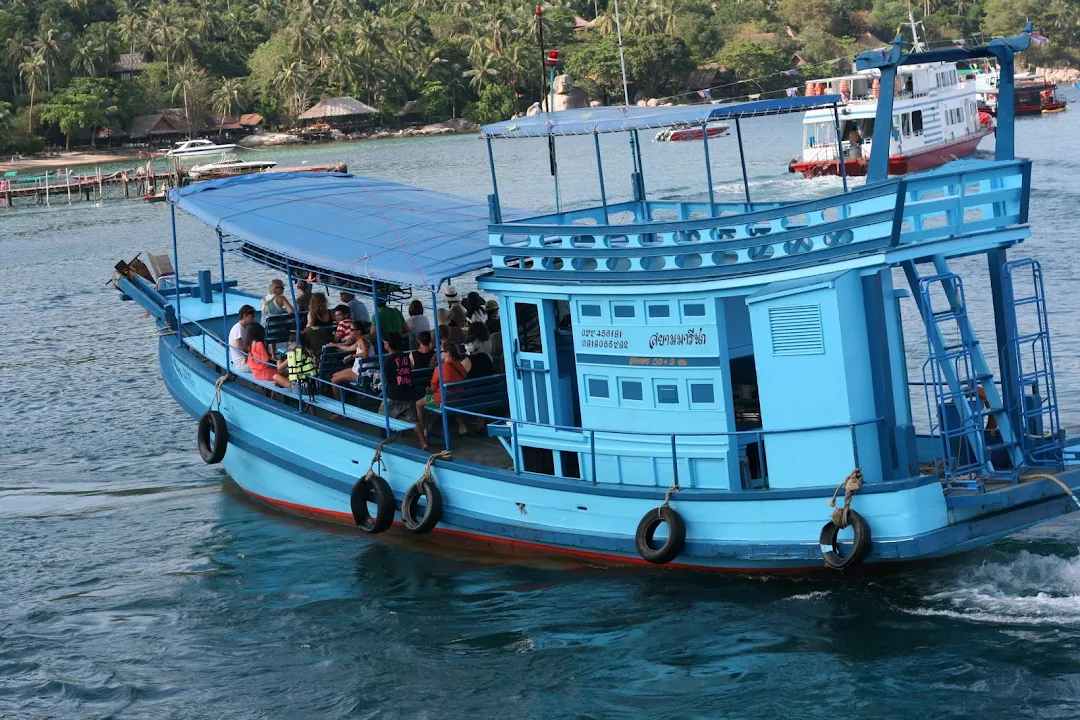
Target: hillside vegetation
471,57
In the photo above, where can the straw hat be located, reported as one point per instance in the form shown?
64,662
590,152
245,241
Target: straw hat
491,305
451,293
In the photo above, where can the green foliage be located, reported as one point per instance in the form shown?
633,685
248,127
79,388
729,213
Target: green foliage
83,105
435,101
656,65
751,59
496,103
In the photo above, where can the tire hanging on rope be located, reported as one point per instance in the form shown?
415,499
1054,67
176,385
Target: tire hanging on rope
212,447
841,518
424,488
644,538
371,484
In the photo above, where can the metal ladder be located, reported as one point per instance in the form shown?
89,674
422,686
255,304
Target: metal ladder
961,380
1033,363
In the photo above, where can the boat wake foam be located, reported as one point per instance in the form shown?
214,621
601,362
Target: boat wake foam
1027,589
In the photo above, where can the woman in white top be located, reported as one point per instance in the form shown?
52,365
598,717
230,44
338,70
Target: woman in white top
417,322
275,303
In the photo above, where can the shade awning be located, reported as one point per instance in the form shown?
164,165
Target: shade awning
346,225
622,118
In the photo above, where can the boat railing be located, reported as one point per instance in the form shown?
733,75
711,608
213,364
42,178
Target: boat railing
958,199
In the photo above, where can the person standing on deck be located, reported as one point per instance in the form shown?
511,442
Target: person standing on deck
236,338
357,309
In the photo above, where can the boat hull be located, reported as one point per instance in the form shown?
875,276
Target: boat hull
898,164
306,466
695,133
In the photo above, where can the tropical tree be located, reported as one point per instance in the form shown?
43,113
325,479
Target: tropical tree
47,46
32,70
17,48
84,104
190,84
229,98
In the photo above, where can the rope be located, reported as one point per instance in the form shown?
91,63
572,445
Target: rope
667,497
377,459
1054,479
441,455
216,400
851,485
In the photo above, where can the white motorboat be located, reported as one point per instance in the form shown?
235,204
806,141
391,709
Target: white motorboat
186,148
230,165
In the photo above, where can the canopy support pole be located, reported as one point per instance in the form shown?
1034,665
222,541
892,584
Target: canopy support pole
176,271
439,372
708,166
496,206
299,330
600,172
379,355
840,159
554,171
742,162
224,304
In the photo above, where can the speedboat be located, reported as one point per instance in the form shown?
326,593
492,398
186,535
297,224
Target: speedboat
689,133
187,148
230,165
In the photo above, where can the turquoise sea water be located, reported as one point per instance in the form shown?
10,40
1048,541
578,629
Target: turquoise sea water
136,582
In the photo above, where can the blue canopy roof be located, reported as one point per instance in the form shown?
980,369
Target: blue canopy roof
621,118
345,225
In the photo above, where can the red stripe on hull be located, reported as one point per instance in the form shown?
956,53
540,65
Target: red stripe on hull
519,549
898,164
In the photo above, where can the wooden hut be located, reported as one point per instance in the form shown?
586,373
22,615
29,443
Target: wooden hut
341,113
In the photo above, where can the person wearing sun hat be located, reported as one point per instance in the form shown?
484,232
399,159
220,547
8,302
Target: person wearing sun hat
458,317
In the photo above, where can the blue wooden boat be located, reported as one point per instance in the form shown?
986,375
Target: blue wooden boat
697,384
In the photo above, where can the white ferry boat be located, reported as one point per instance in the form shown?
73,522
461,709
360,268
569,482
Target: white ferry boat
185,148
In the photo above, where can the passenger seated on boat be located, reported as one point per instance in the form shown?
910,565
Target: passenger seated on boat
344,324
452,371
357,309
359,351
303,295
396,378
448,331
418,321
477,339
390,318
457,314
424,355
298,368
275,303
236,338
494,323
474,308
319,311
262,367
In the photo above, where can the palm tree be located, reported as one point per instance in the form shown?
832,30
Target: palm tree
343,69
17,49
131,28
85,58
32,70
188,79
484,71
229,99
47,45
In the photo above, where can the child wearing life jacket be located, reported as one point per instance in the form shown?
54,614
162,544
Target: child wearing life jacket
298,368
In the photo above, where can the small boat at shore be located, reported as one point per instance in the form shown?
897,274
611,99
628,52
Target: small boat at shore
228,166
189,148
684,382
690,133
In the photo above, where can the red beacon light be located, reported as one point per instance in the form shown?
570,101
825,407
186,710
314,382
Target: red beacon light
553,58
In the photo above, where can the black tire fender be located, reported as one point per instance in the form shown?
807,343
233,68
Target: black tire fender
362,491
860,547
410,505
646,530
212,449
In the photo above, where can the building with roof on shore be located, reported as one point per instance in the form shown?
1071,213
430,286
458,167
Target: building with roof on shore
343,113
126,67
167,124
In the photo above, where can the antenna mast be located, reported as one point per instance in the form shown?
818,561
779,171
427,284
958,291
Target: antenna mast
622,58
916,43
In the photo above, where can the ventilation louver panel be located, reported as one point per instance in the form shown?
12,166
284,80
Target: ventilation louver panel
796,330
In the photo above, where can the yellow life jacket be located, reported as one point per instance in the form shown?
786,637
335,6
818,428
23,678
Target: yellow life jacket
301,364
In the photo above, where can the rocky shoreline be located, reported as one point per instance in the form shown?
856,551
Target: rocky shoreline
448,127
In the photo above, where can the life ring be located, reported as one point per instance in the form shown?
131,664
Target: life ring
410,505
213,449
860,547
646,530
384,504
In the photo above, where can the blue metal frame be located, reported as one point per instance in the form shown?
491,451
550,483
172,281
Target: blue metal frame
708,165
742,161
224,303
840,148
600,174
176,269
379,357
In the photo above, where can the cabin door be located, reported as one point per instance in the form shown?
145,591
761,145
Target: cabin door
532,358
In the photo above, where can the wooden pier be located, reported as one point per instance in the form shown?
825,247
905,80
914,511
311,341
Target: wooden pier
137,182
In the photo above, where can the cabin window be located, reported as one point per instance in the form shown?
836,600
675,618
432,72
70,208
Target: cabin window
598,388
659,310
631,390
667,394
916,122
905,124
693,310
702,394
623,311
590,311
527,318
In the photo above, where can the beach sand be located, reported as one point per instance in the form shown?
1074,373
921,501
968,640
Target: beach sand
68,159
